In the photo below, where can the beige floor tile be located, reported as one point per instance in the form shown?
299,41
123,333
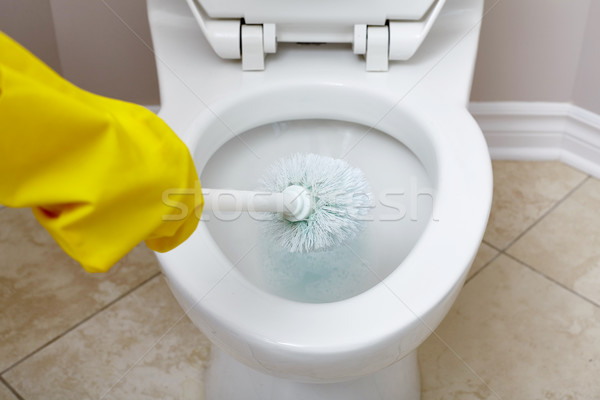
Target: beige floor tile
523,192
6,394
527,337
174,369
565,245
484,255
94,357
43,292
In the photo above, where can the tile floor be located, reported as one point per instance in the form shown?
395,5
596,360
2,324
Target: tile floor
526,325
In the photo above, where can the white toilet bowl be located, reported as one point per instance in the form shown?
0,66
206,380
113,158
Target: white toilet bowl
343,324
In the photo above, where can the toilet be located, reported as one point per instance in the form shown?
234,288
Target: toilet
383,85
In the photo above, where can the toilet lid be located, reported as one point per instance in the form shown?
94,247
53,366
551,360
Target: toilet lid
372,12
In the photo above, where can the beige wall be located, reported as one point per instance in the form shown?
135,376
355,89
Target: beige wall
105,47
30,23
587,85
530,50
86,42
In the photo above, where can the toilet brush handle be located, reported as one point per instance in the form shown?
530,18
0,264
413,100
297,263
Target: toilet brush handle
242,200
294,202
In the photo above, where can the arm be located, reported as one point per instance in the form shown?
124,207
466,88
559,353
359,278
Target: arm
92,169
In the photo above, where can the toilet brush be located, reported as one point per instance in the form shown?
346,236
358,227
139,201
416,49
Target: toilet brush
294,203
311,202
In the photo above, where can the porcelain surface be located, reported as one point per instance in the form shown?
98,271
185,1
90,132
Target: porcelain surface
420,104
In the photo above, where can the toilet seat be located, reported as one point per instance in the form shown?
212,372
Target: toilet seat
339,340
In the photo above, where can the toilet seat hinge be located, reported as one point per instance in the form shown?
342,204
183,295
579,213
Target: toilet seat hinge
256,41
396,40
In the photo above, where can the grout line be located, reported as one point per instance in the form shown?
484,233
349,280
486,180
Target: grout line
12,389
78,324
491,245
554,281
185,314
504,250
484,267
558,203
432,332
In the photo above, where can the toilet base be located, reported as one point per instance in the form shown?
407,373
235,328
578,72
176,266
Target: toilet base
228,379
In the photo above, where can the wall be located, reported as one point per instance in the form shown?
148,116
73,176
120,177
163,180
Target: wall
587,85
530,50
105,46
30,23
101,45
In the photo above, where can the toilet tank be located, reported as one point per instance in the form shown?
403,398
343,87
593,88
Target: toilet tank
371,12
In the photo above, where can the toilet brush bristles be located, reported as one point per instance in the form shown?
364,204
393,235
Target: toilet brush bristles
340,195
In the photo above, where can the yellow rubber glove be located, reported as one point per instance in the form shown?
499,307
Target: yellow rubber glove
93,169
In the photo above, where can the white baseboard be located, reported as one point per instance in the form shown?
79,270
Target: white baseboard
541,131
